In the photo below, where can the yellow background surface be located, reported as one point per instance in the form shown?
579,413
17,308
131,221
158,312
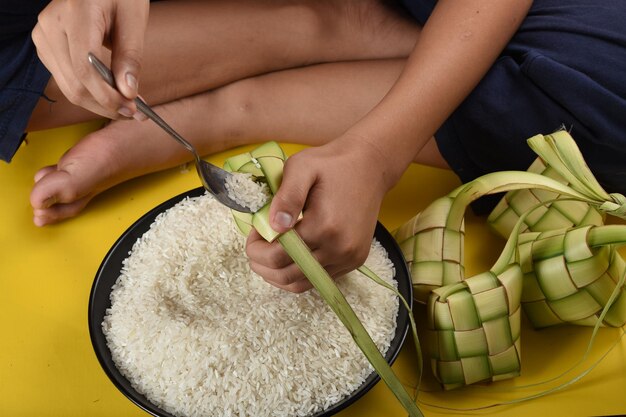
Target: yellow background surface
48,367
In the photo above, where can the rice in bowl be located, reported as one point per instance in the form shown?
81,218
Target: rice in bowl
195,331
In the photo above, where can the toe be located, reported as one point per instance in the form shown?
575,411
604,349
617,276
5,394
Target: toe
44,171
41,195
52,188
58,212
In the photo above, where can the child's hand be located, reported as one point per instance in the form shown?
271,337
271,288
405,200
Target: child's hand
67,30
339,188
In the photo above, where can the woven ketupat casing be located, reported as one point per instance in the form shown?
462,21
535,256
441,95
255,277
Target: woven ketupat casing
474,323
433,252
551,262
474,328
551,216
567,281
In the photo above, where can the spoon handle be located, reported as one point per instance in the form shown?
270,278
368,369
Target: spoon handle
142,106
147,110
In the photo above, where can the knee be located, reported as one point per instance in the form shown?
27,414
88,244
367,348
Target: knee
240,108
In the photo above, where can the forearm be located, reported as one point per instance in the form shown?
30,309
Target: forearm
457,46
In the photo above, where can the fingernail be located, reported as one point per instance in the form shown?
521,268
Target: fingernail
283,219
125,111
131,80
139,116
38,221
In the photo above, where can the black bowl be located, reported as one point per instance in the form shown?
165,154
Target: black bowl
110,269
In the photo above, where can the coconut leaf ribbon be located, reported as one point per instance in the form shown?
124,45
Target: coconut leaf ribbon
266,163
475,322
560,264
432,241
568,278
560,152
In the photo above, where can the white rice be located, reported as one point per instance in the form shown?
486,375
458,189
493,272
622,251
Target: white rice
246,192
199,334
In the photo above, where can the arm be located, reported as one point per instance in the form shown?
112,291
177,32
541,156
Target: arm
341,185
456,48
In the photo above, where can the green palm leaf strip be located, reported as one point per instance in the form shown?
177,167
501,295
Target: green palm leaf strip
561,214
432,241
416,343
475,322
594,236
266,162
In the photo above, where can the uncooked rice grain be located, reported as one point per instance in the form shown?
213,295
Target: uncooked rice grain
246,192
199,334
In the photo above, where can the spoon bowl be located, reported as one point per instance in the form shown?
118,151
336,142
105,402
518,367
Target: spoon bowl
212,177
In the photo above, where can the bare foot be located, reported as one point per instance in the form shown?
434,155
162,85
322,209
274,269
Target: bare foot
90,167
128,149
116,153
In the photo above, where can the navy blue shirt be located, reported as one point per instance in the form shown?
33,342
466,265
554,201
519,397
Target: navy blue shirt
565,67
23,77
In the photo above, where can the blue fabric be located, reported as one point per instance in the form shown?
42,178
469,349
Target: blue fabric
565,67
23,77
18,17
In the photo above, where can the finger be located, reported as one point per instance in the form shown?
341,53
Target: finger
338,271
311,232
289,274
127,46
297,287
69,84
79,44
279,277
47,58
93,93
271,255
291,196
140,116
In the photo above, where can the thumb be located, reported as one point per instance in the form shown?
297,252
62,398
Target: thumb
290,197
127,40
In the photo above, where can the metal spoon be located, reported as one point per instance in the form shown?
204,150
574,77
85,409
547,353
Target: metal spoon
213,178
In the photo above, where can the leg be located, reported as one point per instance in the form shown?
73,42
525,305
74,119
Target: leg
309,105
195,46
